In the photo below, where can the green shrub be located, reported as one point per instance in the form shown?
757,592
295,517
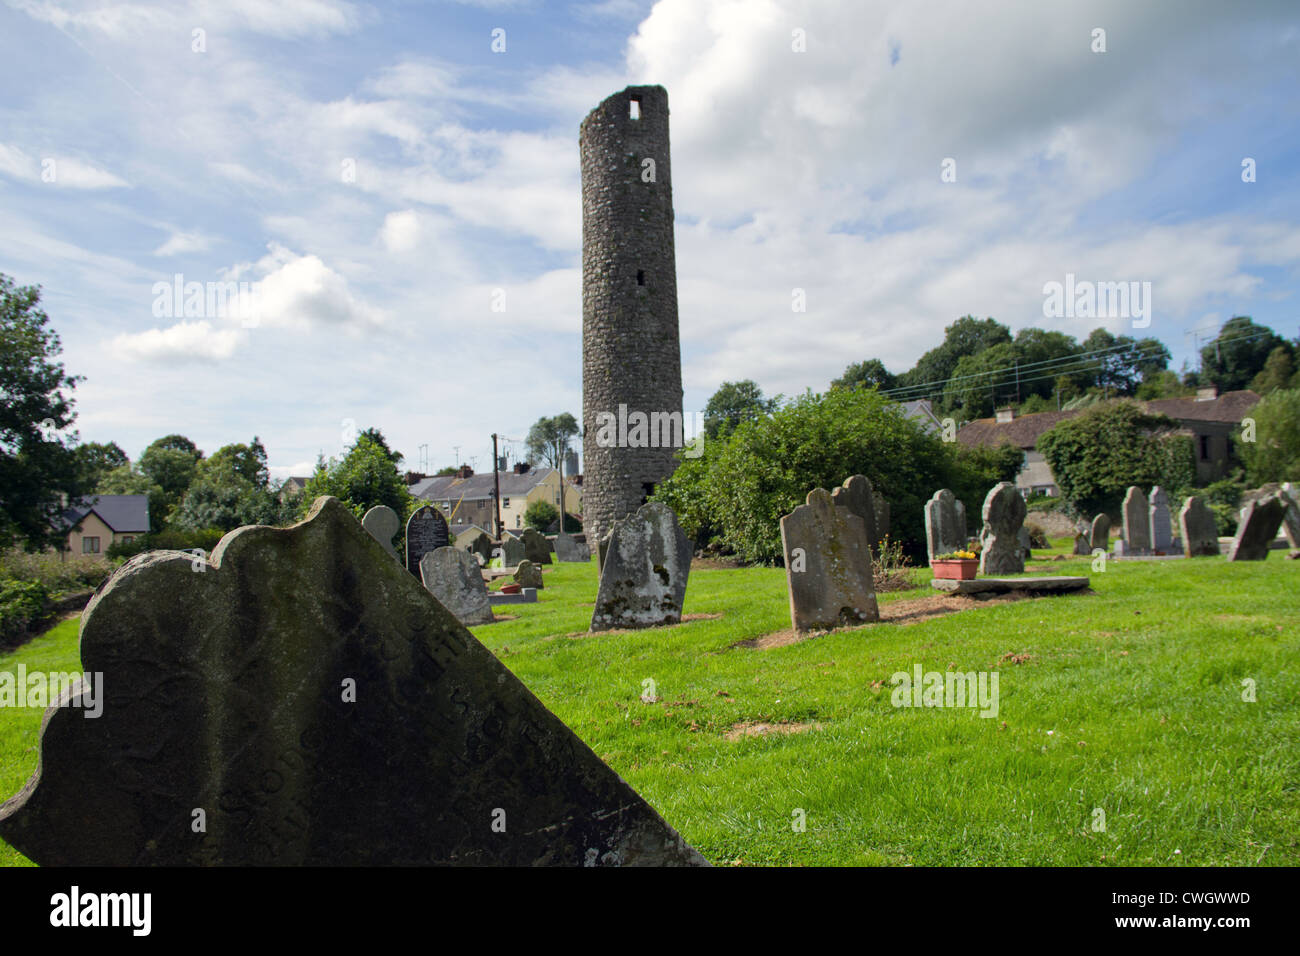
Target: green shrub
170,539
57,572
1224,499
21,604
541,515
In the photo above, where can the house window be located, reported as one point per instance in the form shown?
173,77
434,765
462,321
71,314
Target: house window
90,545
518,521
1205,448
505,502
128,538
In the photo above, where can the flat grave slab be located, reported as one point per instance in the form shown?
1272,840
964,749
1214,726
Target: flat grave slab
524,596
1045,585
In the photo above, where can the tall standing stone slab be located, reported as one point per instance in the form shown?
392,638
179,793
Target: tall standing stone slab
569,549
827,566
1160,520
643,581
536,548
941,531
1000,544
512,552
1199,530
383,524
426,530
1257,528
482,546
453,577
1082,543
856,495
1291,516
321,708
1137,522
1101,532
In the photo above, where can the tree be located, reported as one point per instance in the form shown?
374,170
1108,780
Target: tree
247,461
365,477
1278,372
1239,353
96,460
548,441
1126,362
36,465
733,403
171,463
231,489
376,436
967,336
868,374
541,515
1099,453
1274,455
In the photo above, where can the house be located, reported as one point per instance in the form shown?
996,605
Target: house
923,412
467,498
96,522
293,485
1208,418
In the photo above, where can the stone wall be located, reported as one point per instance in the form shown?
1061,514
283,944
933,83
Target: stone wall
631,348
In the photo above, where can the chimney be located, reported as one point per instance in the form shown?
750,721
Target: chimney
1207,393
1006,414
465,471
521,467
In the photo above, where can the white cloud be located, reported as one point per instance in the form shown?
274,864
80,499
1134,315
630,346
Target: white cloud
401,231
186,341
56,170
179,243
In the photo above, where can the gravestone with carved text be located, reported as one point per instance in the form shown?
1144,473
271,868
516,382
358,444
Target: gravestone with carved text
426,530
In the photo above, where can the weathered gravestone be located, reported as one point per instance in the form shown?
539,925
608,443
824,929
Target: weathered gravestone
856,495
827,565
1026,545
963,535
536,548
1257,528
512,552
1101,532
1001,550
426,530
602,549
1291,517
320,707
382,523
941,532
1200,532
1137,522
454,578
569,549
528,575
1160,521
643,578
1083,543
482,546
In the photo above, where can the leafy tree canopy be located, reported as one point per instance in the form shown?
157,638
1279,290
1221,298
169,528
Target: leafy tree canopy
1274,455
1239,353
733,403
549,438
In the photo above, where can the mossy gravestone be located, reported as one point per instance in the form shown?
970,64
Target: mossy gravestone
453,577
426,530
1137,521
856,494
1001,549
827,565
1257,527
303,700
1200,530
536,548
646,565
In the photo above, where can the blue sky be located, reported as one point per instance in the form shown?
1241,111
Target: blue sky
133,149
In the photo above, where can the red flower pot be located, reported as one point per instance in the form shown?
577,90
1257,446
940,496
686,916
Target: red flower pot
510,589
956,569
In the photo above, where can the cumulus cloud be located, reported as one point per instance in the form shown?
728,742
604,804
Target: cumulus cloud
186,341
179,243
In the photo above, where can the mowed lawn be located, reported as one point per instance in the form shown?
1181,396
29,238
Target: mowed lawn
1127,700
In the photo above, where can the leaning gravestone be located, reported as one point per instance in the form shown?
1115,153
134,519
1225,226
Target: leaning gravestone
1160,521
426,530
1291,517
1257,528
644,573
941,533
1137,522
856,495
482,546
1101,532
314,705
382,523
568,549
528,575
1200,532
827,565
536,548
1004,515
454,578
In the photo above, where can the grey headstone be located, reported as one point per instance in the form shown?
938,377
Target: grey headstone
1162,535
426,530
602,548
382,523
856,495
643,579
1291,518
827,565
454,578
1026,545
1002,551
963,532
528,575
1137,522
569,549
482,546
1120,547
1200,531
512,551
536,548
1257,528
226,693
1101,532
941,532
1082,543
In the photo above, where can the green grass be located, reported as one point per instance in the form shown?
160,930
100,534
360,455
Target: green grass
1129,700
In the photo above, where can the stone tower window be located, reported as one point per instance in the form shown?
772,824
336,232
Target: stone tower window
640,277
634,108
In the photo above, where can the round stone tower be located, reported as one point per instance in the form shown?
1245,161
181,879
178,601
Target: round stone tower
631,353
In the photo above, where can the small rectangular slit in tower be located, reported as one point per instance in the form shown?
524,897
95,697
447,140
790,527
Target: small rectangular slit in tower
634,108
640,277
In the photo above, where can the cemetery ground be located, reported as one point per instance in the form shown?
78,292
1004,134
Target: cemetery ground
1127,700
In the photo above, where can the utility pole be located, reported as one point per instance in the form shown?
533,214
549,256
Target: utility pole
456,449
496,483
560,455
